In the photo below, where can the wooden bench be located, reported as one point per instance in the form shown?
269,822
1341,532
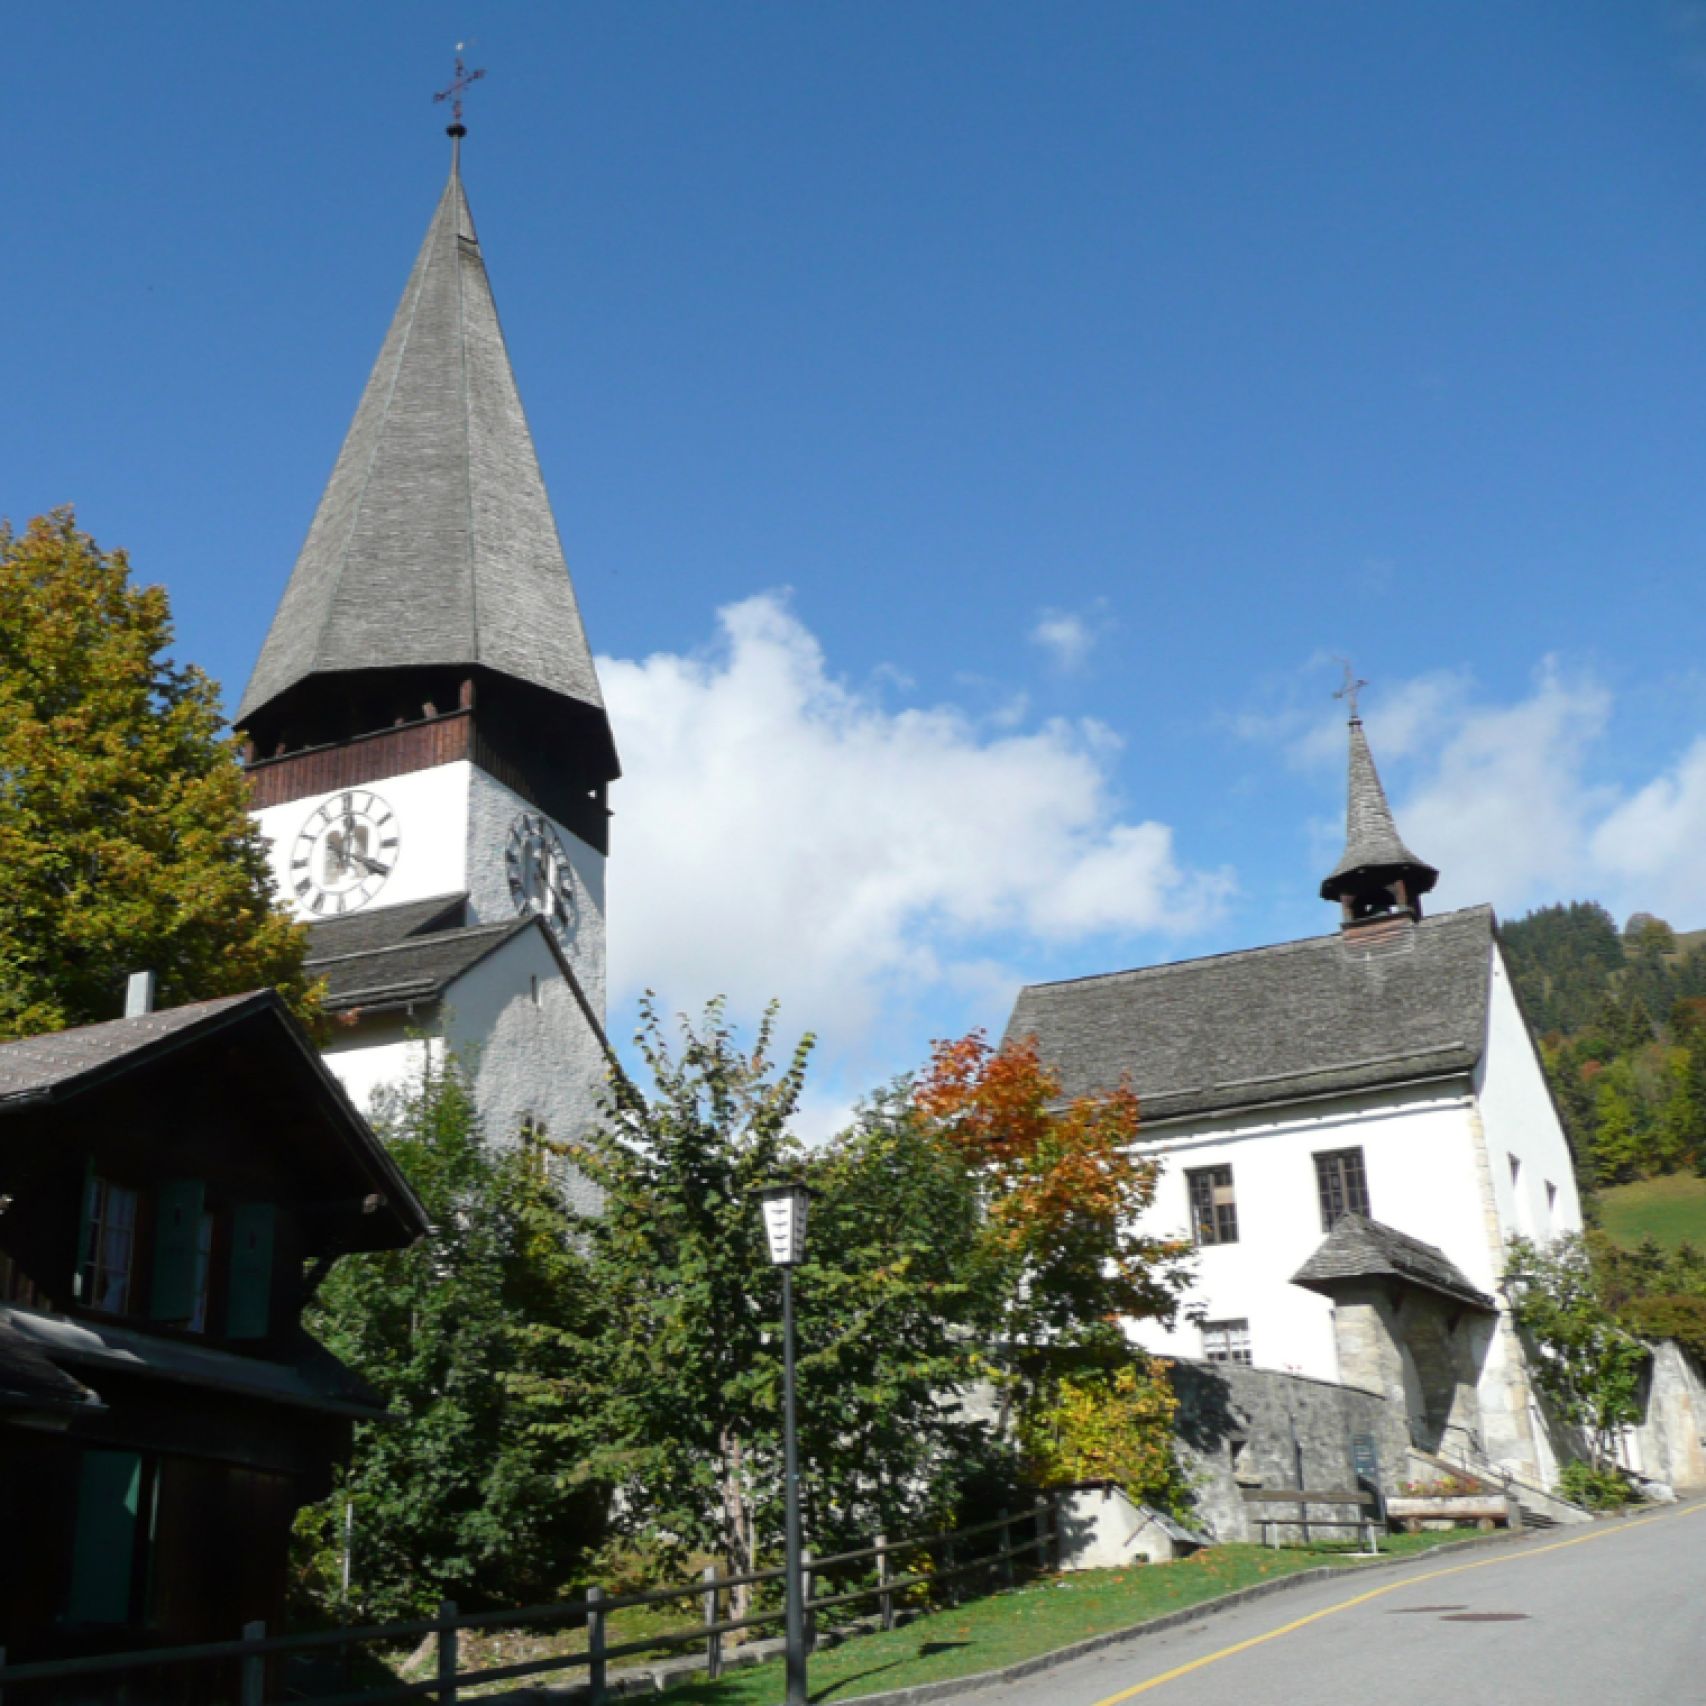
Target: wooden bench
1362,1503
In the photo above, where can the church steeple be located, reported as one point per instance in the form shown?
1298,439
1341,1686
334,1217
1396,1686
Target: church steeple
1377,876
433,569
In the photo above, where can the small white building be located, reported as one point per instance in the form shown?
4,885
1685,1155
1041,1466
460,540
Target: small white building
1352,1128
428,750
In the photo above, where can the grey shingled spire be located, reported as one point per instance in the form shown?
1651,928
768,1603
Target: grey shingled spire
434,542
1373,847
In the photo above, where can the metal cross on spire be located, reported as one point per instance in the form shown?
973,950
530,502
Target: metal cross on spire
459,86
1350,690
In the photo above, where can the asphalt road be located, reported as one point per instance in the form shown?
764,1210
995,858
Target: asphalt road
1613,1614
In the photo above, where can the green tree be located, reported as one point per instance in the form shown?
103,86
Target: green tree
458,1494
1588,1364
125,840
672,1396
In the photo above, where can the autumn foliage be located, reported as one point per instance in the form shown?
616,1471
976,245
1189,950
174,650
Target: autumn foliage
1063,1185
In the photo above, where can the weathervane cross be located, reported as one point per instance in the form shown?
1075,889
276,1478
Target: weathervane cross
1350,690
459,86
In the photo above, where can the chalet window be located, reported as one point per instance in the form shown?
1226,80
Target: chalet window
1214,1209
1342,1183
1226,1341
109,1245
250,1306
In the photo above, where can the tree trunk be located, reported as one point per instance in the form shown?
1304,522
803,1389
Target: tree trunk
737,1523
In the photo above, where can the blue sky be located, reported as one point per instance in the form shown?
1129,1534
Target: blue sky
974,429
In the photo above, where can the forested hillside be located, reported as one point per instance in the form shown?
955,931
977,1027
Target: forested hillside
1622,1020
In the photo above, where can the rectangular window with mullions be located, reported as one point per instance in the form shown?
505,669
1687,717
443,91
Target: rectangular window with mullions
1227,1341
1342,1181
109,1245
1214,1209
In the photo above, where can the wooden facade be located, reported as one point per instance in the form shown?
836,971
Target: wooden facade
170,1201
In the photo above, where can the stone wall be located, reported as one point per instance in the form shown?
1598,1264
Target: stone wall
1671,1439
1247,1427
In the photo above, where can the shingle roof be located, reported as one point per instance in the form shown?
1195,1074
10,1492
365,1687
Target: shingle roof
384,926
37,1064
1372,841
434,542
1320,1016
29,1380
419,968
1358,1248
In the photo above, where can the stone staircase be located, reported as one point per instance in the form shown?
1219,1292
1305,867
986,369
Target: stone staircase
1541,1508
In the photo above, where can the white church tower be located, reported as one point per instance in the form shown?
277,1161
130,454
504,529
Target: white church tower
427,745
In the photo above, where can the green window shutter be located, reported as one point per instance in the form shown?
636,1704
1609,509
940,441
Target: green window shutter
85,1232
251,1270
177,1223
104,1546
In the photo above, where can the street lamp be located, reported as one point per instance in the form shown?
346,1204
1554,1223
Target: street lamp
785,1226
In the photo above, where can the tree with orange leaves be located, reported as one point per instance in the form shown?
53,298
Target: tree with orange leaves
1063,1187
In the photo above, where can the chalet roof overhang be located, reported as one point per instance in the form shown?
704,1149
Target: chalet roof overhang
1359,1251
316,1380
33,1389
246,1053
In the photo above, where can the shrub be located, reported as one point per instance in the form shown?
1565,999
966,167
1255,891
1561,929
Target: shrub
1598,1489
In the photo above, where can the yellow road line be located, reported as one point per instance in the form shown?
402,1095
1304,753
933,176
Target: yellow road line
1376,1593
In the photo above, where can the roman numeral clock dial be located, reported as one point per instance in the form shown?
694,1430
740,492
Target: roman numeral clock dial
541,879
344,853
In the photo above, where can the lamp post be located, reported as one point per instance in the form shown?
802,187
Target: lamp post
785,1226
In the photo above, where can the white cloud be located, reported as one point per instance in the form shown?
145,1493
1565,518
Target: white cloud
1650,843
780,832
1507,799
1068,637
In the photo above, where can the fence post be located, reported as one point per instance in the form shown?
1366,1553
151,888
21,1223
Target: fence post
885,1599
1058,1528
806,1598
949,1581
254,1684
1006,1534
446,1652
713,1641
1040,1518
595,1644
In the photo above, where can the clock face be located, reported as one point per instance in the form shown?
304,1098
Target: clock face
540,877
344,853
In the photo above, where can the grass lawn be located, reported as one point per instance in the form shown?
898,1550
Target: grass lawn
1671,1209
986,1634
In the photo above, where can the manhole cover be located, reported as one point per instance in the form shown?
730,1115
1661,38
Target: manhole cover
1417,1610
1486,1617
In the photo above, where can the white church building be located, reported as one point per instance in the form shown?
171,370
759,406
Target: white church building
1352,1127
427,746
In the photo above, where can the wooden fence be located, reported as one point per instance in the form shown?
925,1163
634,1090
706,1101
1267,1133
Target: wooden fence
936,1560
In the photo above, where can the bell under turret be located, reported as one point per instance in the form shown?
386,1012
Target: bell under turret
1377,877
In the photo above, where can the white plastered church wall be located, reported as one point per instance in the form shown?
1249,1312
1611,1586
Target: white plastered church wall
1522,1124
384,1052
1417,1150
432,811
535,1055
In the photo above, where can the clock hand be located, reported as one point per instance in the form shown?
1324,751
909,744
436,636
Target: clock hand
371,864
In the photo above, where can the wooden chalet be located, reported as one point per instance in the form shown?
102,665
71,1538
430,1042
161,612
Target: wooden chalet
173,1188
